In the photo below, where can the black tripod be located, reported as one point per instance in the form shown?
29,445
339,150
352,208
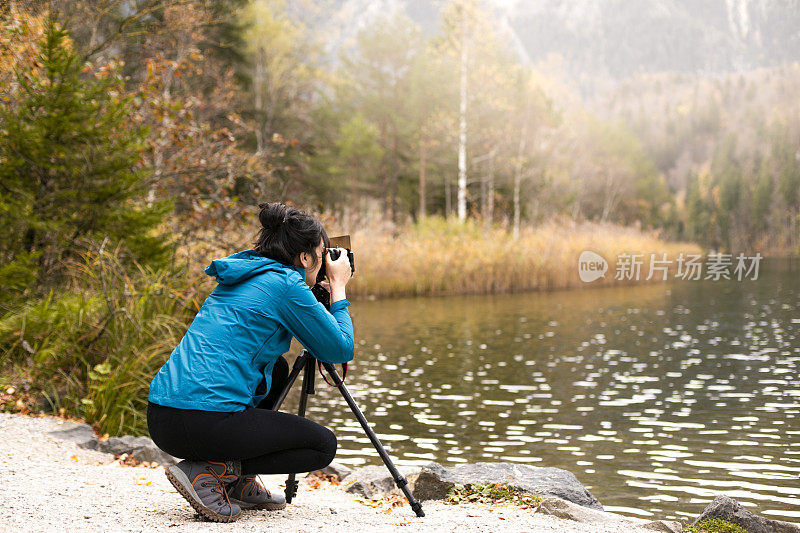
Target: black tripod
305,361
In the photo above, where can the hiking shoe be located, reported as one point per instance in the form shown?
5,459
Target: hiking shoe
248,493
203,483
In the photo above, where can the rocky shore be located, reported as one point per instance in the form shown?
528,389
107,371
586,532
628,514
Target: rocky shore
61,477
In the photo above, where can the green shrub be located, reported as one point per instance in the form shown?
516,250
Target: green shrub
715,525
93,347
17,275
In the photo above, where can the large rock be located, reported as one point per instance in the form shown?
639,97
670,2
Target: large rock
570,511
369,481
434,481
142,448
726,508
81,434
338,470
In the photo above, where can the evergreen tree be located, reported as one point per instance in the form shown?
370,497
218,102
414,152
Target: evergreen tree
69,166
761,200
697,212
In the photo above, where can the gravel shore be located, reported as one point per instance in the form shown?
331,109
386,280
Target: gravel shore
53,485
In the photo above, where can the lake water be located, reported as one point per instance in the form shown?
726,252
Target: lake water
656,396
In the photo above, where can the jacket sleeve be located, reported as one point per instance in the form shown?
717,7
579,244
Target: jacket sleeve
328,336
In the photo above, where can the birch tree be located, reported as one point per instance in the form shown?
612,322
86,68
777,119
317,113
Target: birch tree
461,20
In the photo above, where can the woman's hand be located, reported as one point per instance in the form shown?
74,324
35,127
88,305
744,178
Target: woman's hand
338,273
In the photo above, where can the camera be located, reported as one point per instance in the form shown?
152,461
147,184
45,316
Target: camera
343,241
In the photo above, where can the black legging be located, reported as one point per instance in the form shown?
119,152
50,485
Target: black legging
266,441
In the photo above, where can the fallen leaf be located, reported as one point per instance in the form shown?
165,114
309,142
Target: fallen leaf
74,458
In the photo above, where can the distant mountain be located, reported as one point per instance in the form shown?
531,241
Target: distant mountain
619,38
608,40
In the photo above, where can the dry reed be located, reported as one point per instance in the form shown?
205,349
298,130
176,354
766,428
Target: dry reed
438,256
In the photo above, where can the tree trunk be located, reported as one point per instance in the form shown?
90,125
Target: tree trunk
610,197
484,186
490,200
447,203
161,145
422,157
462,128
395,176
258,84
163,142
383,172
518,176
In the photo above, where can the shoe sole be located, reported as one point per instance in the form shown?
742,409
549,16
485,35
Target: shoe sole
259,506
184,488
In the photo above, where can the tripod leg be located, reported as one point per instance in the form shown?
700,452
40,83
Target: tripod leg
299,364
308,388
399,480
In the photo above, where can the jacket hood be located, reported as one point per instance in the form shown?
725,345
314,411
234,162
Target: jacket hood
244,265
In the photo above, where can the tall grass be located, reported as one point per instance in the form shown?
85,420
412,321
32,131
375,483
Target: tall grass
439,256
93,348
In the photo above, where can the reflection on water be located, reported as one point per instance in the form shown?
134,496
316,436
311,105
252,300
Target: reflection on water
657,397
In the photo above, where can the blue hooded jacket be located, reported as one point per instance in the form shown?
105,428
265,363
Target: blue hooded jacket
244,325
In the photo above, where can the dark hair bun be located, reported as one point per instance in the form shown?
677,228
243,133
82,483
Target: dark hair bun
287,232
273,215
